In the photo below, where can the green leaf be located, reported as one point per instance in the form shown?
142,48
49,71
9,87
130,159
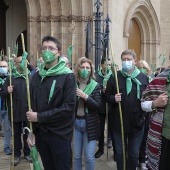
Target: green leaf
69,51
164,59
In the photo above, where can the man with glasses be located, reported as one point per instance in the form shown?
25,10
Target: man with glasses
131,85
3,109
53,98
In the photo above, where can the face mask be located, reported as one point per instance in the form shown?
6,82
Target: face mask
127,66
3,71
83,73
48,56
107,69
143,70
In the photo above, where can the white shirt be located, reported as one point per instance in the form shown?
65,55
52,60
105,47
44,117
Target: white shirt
146,106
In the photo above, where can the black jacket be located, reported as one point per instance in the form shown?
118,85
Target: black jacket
57,116
3,105
19,98
133,116
93,103
102,111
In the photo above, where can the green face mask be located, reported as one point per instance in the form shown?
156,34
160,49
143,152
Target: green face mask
83,73
142,70
107,69
48,56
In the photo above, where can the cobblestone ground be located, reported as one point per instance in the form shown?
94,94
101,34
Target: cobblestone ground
101,163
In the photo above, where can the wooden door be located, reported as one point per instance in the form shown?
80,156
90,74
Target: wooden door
134,41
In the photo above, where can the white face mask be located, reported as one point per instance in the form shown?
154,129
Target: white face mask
3,70
127,65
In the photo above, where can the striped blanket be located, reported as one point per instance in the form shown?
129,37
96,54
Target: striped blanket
153,90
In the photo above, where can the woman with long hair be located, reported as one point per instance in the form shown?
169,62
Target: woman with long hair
86,123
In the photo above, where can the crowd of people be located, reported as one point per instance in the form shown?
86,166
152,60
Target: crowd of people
69,110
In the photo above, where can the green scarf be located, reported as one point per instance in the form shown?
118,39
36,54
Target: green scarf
89,89
15,72
2,80
105,77
59,69
129,79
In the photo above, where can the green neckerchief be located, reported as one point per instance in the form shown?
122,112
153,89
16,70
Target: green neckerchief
89,89
129,79
59,69
2,80
105,77
15,72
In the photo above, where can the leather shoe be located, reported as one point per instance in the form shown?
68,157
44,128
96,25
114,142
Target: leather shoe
28,158
16,161
99,153
109,145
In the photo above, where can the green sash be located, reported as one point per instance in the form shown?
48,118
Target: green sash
129,79
89,89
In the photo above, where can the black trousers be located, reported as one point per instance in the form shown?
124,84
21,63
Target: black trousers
54,152
18,127
102,119
165,155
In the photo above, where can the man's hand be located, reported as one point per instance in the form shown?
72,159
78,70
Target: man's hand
81,94
32,116
10,89
161,101
118,97
30,142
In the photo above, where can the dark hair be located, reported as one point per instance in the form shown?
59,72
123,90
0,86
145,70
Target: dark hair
160,69
50,38
104,59
132,53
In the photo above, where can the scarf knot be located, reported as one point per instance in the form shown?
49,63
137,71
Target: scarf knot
58,69
130,78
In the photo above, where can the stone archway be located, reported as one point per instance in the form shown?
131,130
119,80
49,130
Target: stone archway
144,14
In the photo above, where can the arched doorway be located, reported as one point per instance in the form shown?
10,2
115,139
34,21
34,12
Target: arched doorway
3,8
146,18
134,41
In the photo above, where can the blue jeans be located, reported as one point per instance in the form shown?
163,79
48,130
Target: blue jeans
81,142
7,128
132,144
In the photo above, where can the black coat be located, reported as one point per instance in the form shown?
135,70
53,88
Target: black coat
57,116
3,99
102,111
19,96
93,103
133,116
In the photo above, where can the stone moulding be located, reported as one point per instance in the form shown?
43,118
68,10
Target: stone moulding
60,18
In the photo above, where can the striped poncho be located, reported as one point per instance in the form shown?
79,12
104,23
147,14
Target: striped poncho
153,90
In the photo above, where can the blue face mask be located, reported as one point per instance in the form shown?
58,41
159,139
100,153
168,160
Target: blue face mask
127,66
3,71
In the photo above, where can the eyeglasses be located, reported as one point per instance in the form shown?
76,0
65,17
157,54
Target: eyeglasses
50,48
127,59
3,66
